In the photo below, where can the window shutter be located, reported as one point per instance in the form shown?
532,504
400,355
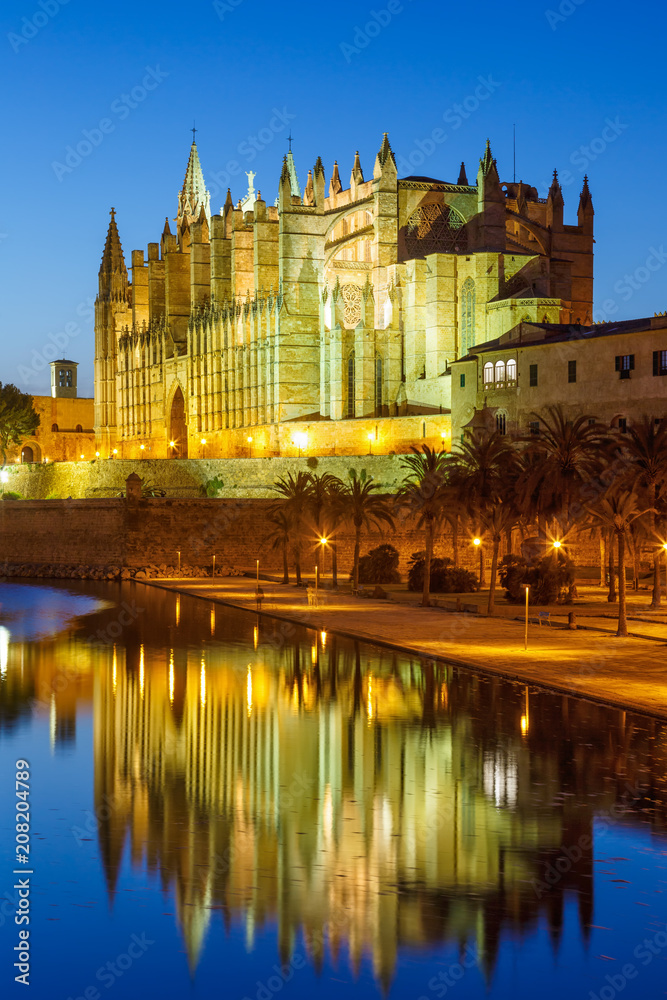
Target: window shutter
618,362
656,362
632,362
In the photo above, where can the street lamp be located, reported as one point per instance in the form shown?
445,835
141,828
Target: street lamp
172,445
557,544
249,447
203,447
477,542
323,542
300,441
142,447
370,443
115,452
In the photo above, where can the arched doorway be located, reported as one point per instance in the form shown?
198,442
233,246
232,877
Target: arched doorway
27,455
178,428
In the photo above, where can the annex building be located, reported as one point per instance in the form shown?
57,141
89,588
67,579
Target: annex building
328,320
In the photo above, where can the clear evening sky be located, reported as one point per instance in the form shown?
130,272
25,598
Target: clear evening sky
582,79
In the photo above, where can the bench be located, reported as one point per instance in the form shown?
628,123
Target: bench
541,617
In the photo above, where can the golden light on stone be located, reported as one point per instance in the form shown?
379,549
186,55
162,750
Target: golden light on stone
114,670
141,670
557,544
477,541
323,637
171,675
202,683
178,608
249,691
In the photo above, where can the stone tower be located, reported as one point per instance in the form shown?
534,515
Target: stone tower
112,313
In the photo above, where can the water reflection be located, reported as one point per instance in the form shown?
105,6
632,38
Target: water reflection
360,798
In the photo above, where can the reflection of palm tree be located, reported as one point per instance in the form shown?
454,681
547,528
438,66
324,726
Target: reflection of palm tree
294,503
616,512
423,492
645,446
360,502
279,536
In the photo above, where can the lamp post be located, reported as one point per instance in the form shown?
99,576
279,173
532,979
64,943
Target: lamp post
525,635
477,542
323,542
179,562
172,445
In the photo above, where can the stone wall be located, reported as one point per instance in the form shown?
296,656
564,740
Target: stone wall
241,477
151,532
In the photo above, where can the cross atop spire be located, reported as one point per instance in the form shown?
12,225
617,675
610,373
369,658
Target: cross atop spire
290,140
194,131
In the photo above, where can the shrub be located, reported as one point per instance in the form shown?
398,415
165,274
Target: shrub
10,495
550,580
212,486
380,565
312,462
445,577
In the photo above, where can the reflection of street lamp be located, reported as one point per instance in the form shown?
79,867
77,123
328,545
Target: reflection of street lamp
664,548
525,637
370,443
203,447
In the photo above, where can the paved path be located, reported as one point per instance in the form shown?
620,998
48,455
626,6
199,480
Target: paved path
631,673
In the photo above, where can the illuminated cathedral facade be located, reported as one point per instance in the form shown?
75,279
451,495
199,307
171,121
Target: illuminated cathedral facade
333,311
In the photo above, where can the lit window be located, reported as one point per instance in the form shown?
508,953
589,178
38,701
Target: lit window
625,363
488,373
511,370
534,427
501,423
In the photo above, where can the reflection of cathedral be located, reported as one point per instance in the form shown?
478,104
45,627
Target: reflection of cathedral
368,806
334,303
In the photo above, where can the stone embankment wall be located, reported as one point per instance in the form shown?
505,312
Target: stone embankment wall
239,477
121,533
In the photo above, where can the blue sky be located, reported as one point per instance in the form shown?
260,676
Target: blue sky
583,81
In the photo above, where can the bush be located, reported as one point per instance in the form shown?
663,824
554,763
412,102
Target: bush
212,486
550,580
312,463
380,565
445,577
9,495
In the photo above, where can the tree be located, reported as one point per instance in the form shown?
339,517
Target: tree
361,503
18,419
294,503
279,536
423,492
498,519
616,512
566,455
324,490
644,445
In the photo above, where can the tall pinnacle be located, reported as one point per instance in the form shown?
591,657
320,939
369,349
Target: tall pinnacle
193,194
113,272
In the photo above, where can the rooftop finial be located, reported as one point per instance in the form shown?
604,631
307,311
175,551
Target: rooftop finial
290,140
194,131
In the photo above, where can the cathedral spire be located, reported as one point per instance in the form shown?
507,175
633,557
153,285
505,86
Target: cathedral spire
585,212
335,185
113,272
555,204
487,161
294,180
385,161
193,194
463,177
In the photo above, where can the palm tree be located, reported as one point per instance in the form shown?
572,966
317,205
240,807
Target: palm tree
323,492
294,503
361,502
616,512
482,468
279,536
423,493
498,519
566,455
645,447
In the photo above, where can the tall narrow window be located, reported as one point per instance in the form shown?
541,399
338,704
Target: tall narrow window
500,372
572,371
660,362
488,373
532,375
378,385
351,385
467,315
511,370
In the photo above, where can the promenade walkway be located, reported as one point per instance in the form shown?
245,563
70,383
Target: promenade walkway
590,662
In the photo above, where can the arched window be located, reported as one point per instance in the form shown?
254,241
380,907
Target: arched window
378,385
467,315
54,428
78,429
501,422
488,373
511,370
351,385
500,371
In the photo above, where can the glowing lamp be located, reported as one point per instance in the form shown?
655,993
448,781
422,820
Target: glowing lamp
477,541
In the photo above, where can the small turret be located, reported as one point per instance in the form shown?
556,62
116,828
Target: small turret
555,204
335,185
113,272
463,177
585,212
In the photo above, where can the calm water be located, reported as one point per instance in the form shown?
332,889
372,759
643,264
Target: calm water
227,807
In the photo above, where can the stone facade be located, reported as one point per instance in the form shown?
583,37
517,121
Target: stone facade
335,306
616,372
